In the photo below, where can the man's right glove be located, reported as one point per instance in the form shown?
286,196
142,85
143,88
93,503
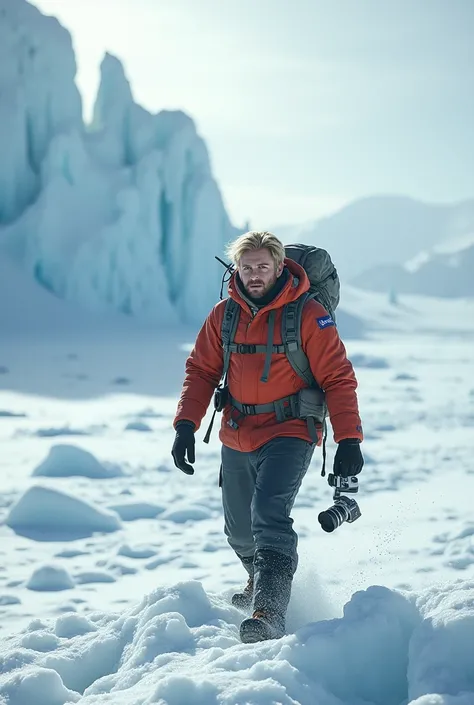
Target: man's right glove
348,459
184,444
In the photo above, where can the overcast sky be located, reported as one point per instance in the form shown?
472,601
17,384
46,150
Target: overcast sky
304,104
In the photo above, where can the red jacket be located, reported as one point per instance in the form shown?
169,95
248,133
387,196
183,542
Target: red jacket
322,345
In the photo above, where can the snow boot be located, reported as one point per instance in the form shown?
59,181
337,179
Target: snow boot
243,599
273,577
261,626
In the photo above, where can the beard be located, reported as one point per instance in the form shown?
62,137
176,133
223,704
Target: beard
259,288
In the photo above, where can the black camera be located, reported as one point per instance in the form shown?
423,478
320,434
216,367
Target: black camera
344,508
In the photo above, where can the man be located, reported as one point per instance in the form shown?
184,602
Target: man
265,459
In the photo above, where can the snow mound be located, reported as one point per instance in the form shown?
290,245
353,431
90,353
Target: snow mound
180,645
66,460
42,513
182,514
149,413
94,576
62,431
136,551
457,547
370,361
133,511
71,625
41,686
50,578
6,600
138,426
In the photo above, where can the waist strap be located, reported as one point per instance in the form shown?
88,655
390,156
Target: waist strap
284,408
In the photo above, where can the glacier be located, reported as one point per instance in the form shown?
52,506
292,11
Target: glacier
123,214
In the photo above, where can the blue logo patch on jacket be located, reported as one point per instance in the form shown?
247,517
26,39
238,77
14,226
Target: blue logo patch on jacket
325,321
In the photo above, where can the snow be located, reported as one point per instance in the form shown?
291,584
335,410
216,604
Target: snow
138,426
180,515
115,573
45,513
96,576
181,645
410,314
9,600
42,686
383,229
67,460
381,610
136,551
50,578
70,625
120,215
132,511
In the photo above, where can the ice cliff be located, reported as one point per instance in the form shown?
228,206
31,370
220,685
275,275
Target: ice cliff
122,214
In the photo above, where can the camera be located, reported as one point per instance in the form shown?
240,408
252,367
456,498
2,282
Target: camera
344,508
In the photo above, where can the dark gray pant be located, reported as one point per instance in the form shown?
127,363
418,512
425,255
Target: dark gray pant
258,492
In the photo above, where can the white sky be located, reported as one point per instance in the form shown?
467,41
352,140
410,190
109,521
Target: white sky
304,104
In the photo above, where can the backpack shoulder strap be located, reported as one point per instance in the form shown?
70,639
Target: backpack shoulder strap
291,337
229,326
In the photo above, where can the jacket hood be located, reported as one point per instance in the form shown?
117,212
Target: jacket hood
296,285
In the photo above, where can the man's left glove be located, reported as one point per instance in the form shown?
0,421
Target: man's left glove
184,445
348,459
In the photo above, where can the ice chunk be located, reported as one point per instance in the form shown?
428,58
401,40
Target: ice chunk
132,511
65,460
50,578
39,99
42,513
122,216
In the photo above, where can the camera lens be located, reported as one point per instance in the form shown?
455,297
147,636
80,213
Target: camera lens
333,517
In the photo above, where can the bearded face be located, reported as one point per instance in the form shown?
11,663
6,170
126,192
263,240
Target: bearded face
258,272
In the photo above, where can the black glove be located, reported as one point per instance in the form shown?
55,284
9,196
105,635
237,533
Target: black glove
348,459
184,444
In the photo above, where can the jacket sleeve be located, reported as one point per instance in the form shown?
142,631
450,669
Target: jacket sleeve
203,371
332,370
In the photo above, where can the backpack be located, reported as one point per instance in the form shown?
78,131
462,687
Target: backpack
324,288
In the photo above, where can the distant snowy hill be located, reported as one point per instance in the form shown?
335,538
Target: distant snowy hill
382,230
446,270
124,215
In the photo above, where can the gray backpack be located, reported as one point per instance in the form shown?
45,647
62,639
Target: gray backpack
309,403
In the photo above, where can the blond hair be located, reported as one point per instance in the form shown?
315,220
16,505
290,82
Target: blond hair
256,240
